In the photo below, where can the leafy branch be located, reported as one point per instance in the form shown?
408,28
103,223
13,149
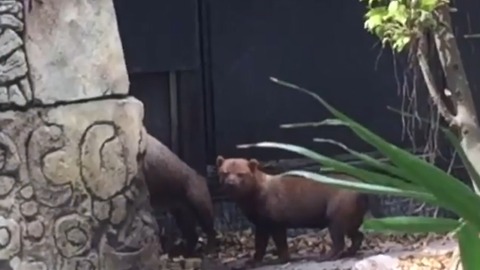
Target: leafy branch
399,22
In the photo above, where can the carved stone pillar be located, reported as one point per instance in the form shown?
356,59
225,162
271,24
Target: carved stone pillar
71,194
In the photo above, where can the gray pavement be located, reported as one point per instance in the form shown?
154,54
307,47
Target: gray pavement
381,262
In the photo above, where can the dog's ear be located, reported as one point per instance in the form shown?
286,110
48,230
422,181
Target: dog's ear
220,161
253,164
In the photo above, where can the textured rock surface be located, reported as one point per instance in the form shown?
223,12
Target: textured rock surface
15,86
74,50
71,196
71,192
377,262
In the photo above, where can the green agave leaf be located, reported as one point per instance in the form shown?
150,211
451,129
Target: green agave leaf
411,224
458,196
364,175
469,244
326,122
364,187
466,162
366,158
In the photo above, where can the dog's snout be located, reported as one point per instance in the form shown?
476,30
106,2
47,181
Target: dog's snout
230,181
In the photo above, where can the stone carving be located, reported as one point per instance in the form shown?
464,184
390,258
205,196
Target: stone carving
9,159
15,88
47,142
9,163
72,235
87,58
71,195
102,157
10,241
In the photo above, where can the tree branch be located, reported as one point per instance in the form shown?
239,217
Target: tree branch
453,69
422,52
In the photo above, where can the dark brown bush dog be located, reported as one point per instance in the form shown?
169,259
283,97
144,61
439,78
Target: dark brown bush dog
275,203
176,187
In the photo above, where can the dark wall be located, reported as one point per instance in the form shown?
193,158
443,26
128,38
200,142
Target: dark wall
161,44
192,129
159,35
152,90
222,53
320,45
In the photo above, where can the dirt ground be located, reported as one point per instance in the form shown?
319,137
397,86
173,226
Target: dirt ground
379,252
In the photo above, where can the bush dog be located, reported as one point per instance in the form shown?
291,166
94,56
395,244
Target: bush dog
274,203
176,187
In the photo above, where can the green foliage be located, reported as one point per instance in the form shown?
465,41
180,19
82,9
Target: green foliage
398,22
466,162
408,176
412,224
469,247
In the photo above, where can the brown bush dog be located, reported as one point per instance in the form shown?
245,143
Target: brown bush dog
274,203
176,187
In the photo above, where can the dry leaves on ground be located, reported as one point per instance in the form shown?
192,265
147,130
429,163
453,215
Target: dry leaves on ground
240,244
439,262
180,263
236,246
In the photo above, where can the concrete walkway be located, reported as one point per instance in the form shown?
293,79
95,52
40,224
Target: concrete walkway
385,261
